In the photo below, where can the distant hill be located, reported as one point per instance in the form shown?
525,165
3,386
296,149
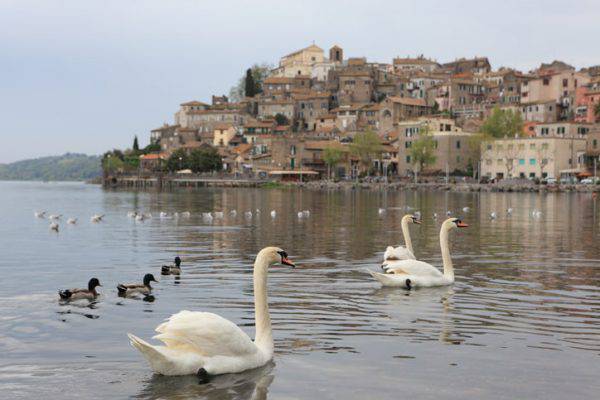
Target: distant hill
68,167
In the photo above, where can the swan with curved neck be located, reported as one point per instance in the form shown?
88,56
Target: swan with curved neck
413,273
206,344
391,253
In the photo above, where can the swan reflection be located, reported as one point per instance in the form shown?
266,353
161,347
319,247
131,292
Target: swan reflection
253,384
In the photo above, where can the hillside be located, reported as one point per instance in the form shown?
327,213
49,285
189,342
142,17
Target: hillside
68,167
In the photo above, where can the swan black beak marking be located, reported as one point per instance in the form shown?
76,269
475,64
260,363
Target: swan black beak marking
288,262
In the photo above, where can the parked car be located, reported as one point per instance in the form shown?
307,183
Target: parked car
549,181
589,181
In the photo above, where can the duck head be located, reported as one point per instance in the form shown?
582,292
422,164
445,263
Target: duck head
177,261
149,278
93,284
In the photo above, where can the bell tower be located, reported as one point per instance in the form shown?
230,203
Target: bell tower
336,54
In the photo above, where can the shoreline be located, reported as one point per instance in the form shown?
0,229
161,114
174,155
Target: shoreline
179,183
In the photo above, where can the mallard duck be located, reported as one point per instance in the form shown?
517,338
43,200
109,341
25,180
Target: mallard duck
174,269
76,294
137,288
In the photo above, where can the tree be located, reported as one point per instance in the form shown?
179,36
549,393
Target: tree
510,155
151,148
136,146
503,123
366,146
259,74
332,157
250,86
597,110
474,143
205,159
422,150
542,155
178,160
281,119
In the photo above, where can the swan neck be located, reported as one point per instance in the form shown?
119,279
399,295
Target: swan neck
446,259
264,335
406,234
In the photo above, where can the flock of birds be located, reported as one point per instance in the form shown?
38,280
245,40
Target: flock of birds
54,218
207,344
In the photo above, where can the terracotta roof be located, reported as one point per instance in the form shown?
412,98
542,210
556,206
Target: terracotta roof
324,144
194,103
223,126
153,156
278,80
242,148
409,101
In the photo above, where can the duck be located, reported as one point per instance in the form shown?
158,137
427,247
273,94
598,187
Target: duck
72,221
54,226
410,274
206,344
273,214
130,289
401,252
97,217
40,214
77,294
174,269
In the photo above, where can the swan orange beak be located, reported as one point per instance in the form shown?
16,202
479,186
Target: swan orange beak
462,225
288,262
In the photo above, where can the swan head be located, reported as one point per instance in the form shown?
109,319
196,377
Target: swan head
93,284
275,255
452,223
411,218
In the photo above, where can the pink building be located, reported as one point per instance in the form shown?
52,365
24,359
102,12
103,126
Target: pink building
586,99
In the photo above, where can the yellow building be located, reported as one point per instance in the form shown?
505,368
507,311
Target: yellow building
532,157
223,133
299,62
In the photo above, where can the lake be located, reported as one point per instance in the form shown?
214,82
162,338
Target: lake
521,321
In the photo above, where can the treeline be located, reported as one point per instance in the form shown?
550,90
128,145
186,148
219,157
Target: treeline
68,167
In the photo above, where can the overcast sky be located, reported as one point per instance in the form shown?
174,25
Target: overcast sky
86,76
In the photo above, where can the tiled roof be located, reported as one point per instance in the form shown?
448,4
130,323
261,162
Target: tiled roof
409,101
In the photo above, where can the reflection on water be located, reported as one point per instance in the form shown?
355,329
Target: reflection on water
525,307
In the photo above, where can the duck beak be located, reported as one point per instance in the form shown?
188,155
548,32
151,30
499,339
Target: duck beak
288,262
462,225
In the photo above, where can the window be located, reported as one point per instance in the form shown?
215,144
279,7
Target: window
408,159
544,146
532,174
545,131
532,161
565,82
488,162
407,145
489,147
595,143
458,144
521,146
532,146
546,82
521,161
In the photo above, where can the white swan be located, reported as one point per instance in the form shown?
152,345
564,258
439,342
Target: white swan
72,221
381,211
219,215
401,252
97,218
54,217
206,344
233,213
207,217
414,273
39,214
54,227
273,214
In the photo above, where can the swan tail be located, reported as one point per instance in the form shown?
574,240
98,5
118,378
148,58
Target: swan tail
390,279
164,361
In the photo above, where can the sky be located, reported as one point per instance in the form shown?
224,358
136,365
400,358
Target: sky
86,76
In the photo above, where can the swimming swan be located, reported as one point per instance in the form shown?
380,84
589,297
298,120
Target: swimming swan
401,252
414,273
206,344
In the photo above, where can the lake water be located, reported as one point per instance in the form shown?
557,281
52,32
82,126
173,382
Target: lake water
521,321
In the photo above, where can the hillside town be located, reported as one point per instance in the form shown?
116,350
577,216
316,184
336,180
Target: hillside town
319,114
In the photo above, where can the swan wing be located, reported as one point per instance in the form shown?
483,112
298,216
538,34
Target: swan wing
413,267
206,333
397,253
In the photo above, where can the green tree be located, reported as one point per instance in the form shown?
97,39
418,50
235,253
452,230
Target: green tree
422,150
332,157
205,159
503,123
151,148
178,160
112,161
259,74
249,87
136,146
281,119
597,110
366,146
